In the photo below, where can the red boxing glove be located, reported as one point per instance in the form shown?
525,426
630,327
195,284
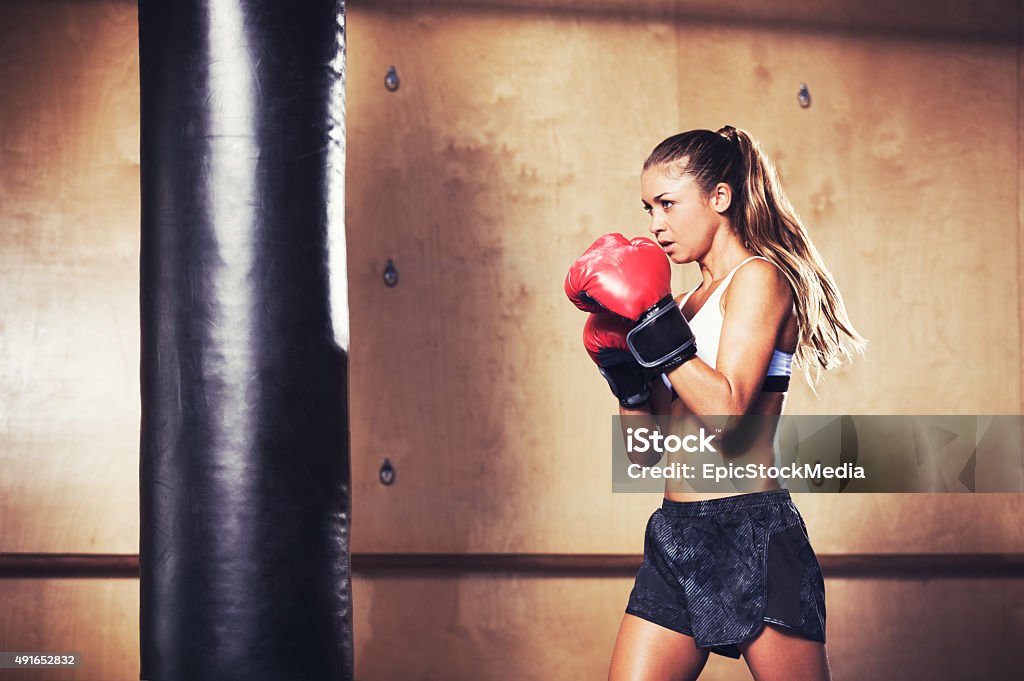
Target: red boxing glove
623,276
633,280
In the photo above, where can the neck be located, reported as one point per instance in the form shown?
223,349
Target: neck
726,252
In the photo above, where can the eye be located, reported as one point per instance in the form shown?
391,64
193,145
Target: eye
666,204
648,209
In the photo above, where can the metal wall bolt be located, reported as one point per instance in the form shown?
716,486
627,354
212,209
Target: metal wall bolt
387,473
804,96
390,274
391,81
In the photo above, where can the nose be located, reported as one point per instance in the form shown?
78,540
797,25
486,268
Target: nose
656,225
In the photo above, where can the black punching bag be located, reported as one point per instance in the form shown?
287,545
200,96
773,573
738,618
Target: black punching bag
244,464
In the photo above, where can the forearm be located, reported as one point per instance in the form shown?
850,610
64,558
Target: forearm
705,391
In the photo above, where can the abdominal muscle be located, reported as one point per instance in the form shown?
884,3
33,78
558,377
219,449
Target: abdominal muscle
742,441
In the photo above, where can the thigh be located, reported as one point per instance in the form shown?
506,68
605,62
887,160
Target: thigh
777,654
645,651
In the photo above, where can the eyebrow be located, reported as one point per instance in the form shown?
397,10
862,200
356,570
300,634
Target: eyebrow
656,198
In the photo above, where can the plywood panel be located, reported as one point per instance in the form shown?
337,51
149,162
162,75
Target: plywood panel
877,167
1020,183
69,233
982,19
502,626
510,145
927,629
97,618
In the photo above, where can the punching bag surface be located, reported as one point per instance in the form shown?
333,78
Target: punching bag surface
244,462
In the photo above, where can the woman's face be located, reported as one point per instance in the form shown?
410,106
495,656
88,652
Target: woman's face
682,221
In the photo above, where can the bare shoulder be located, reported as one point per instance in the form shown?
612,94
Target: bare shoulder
760,280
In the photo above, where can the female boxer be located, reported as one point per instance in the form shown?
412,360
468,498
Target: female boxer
730,574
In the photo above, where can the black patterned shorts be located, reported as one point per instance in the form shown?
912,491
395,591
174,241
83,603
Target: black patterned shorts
718,569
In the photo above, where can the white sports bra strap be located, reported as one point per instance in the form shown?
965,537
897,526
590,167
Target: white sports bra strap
725,283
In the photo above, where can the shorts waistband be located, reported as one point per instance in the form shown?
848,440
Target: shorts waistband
723,504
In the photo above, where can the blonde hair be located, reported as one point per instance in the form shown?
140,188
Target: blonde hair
766,222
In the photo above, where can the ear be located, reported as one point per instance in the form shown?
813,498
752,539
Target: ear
721,197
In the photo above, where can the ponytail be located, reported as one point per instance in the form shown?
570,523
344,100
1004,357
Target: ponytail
766,222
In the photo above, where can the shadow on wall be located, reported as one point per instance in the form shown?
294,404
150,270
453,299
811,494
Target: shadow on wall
988,23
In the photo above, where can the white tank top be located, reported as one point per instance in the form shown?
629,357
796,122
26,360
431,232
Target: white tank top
706,325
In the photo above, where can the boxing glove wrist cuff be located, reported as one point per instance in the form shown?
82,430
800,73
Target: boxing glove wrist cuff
629,382
662,339
630,394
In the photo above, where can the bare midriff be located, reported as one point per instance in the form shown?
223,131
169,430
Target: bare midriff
756,445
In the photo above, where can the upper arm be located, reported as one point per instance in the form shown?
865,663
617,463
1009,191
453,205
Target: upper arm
757,305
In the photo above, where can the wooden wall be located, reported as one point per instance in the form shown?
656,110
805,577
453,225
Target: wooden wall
516,137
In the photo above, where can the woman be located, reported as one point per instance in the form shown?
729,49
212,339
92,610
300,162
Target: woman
731,574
